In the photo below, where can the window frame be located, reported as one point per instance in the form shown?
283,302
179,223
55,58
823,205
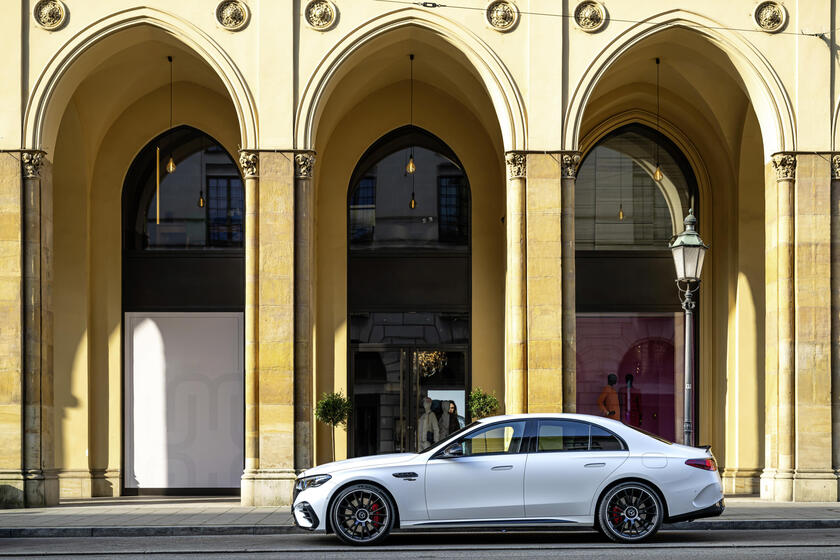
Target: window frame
523,446
535,432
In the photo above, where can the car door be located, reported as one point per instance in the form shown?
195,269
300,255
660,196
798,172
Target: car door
567,465
486,482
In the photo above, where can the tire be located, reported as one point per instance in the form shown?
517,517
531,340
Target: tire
362,514
630,512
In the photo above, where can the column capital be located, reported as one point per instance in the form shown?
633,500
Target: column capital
785,165
516,164
250,161
32,160
569,162
835,166
304,163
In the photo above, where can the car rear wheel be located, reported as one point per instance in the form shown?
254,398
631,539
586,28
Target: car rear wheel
362,514
630,512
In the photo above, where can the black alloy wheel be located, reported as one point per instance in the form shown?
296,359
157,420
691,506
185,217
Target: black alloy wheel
630,513
362,514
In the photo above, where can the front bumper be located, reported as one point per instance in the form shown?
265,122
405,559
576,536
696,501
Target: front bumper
711,511
304,516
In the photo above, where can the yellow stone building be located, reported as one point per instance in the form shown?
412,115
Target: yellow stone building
213,213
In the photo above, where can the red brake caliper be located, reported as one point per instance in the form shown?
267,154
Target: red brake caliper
616,515
374,517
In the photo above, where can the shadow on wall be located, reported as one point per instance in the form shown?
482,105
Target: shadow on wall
11,497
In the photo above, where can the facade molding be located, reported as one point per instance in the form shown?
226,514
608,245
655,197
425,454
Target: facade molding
304,163
765,88
38,107
569,162
497,79
250,162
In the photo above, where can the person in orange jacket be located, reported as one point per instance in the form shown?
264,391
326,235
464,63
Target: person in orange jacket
608,399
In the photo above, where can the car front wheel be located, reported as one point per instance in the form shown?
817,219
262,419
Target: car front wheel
630,512
362,514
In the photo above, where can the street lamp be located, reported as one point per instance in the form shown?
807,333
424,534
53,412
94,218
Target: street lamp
688,251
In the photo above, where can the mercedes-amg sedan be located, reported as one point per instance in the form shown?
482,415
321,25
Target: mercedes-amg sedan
518,470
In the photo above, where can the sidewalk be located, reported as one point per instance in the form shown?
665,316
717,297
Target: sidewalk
167,516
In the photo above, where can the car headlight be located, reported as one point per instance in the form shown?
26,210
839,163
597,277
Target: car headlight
314,481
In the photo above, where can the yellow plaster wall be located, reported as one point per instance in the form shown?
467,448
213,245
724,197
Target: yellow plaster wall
381,112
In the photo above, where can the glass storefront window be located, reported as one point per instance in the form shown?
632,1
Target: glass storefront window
627,365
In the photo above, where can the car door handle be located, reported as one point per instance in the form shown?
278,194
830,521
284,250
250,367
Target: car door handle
594,465
501,468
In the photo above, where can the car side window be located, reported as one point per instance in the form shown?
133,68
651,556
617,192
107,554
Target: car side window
562,435
498,438
602,440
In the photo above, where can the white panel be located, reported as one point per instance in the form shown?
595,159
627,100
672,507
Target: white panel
184,400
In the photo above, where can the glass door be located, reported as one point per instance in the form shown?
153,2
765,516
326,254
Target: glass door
405,399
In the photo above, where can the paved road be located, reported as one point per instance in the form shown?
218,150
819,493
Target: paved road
797,544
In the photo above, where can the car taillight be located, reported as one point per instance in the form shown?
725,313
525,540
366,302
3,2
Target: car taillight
705,464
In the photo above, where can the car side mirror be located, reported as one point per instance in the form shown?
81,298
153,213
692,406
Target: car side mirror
453,450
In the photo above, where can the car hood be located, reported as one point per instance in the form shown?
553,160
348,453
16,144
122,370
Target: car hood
361,463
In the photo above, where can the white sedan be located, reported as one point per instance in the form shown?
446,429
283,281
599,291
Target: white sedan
517,470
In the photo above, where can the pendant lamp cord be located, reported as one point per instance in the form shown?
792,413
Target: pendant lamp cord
170,91
411,89
657,109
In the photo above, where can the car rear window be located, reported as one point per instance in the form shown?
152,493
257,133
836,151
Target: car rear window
570,435
602,440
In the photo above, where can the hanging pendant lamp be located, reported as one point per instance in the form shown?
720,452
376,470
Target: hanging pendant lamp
170,166
410,168
657,174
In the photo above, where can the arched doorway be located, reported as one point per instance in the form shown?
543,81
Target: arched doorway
624,219
409,292
183,303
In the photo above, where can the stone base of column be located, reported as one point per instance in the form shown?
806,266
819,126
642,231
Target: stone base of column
40,488
741,481
767,484
105,482
783,486
74,483
814,486
267,487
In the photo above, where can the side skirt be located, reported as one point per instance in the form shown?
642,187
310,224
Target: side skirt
500,523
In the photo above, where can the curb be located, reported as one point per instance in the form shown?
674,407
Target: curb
227,530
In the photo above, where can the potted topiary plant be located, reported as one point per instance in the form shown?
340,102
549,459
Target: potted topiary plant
333,409
482,404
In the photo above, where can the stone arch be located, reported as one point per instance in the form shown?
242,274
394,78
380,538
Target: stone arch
45,106
494,76
764,87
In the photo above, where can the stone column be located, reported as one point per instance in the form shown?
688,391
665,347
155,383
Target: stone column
813,480
785,166
516,336
570,162
835,316
771,335
269,328
304,307
40,482
250,169
545,302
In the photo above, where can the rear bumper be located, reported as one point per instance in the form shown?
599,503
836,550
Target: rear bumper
711,511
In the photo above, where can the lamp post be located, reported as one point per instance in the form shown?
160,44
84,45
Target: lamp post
688,251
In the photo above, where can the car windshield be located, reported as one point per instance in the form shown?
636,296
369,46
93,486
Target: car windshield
649,434
452,436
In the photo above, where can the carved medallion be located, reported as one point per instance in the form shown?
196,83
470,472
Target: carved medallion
233,15
502,15
770,16
303,165
516,162
785,166
590,16
249,162
50,14
320,14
